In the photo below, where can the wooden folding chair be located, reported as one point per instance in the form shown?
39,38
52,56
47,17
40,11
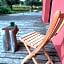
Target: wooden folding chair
38,41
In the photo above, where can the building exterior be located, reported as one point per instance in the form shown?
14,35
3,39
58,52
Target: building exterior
49,8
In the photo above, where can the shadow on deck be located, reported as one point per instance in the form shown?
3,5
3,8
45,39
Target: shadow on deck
26,24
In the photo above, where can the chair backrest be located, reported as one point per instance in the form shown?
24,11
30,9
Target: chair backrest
55,24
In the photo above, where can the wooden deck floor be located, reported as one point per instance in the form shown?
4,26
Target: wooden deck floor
26,24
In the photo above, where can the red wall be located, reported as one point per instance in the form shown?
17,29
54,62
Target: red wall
45,10
58,41
57,5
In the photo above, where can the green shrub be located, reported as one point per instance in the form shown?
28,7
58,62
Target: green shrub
21,8
4,10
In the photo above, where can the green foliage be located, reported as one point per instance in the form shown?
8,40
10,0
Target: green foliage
0,0
11,2
18,9
3,3
22,2
4,10
38,3
33,2
29,2
21,9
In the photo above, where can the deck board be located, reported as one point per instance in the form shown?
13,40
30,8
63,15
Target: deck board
26,24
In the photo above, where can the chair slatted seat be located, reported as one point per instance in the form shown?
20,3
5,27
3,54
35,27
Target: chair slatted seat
38,41
32,39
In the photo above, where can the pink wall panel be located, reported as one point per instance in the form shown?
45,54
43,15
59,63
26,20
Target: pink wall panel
58,41
57,5
45,10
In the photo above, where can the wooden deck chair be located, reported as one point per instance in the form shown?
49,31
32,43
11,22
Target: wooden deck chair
38,41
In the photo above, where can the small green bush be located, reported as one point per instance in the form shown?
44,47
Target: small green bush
4,10
21,8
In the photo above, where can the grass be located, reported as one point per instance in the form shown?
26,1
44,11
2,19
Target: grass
19,9
22,9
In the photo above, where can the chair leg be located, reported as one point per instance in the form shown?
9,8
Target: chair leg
33,58
48,57
25,59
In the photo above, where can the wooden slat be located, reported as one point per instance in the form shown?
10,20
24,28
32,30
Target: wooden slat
36,40
33,39
27,34
39,41
30,36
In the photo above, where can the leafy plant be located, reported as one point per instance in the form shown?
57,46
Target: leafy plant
11,2
4,10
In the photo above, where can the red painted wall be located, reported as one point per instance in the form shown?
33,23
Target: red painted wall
58,41
57,5
45,10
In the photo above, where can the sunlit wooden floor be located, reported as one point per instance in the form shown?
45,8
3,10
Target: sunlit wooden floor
26,24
